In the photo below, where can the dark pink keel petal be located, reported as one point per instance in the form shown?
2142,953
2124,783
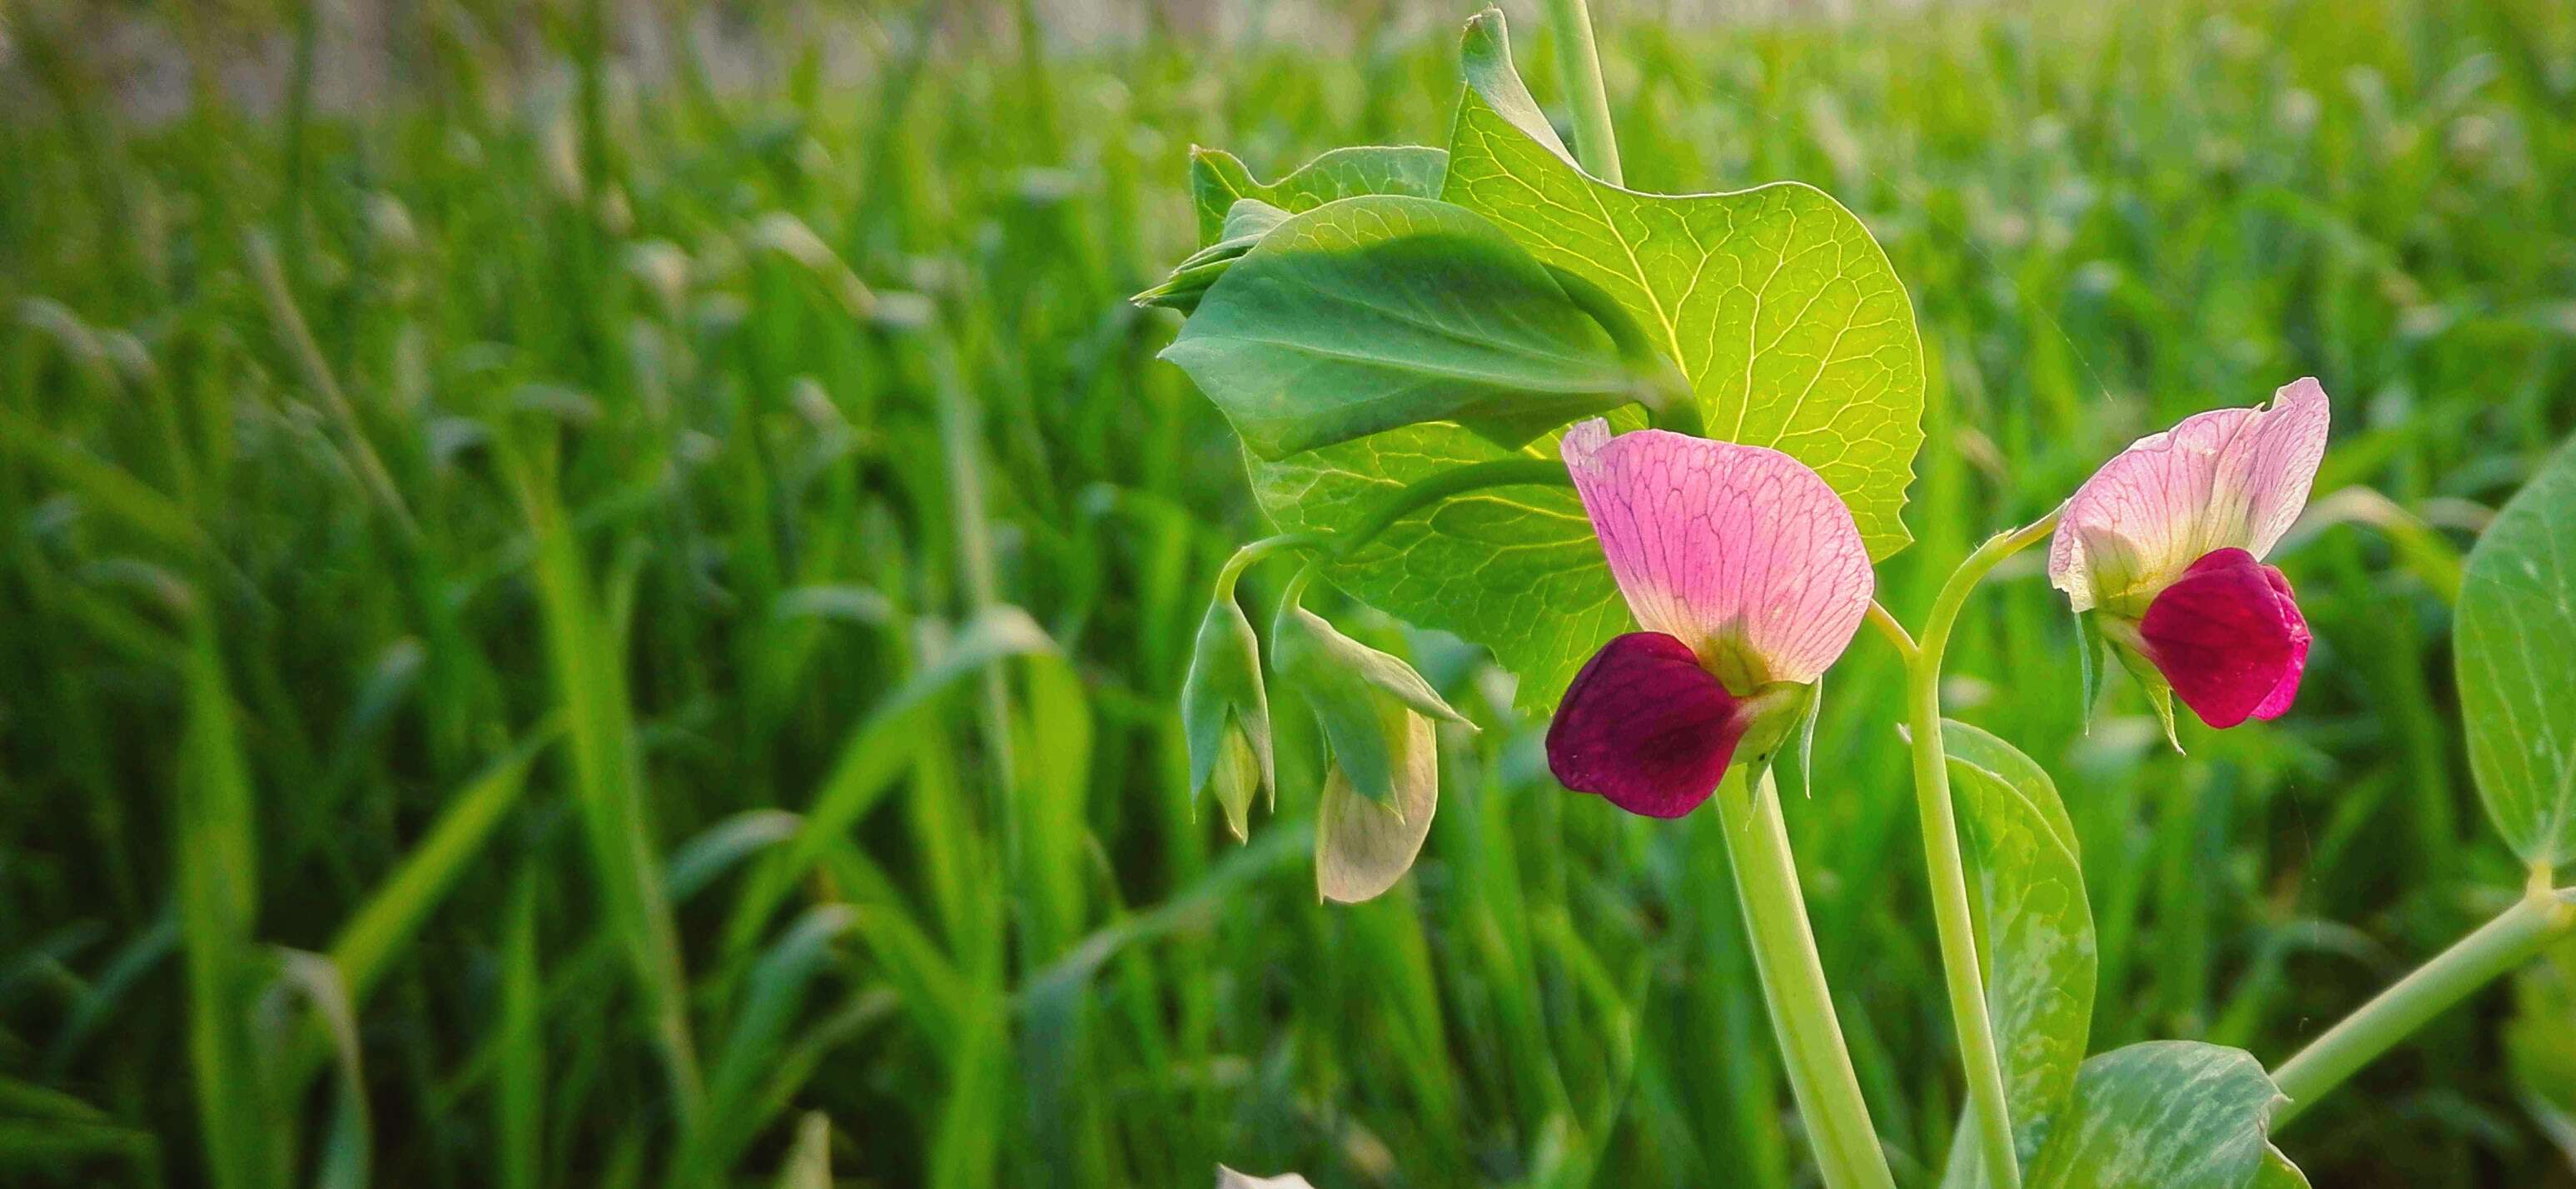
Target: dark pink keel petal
1644,726
2229,637
2286,691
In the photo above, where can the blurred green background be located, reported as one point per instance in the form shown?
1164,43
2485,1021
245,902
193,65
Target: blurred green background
592,594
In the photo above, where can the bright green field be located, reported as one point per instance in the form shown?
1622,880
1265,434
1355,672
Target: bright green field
555,634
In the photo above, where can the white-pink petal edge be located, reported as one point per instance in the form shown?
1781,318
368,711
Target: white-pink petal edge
2225,478
1741,552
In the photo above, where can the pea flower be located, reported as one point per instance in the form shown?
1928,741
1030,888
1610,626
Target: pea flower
1748,576
2164,547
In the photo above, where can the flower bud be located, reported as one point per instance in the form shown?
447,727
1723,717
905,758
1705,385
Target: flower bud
1355,691
1225,715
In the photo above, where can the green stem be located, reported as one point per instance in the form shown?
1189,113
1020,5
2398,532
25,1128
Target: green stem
1578,59
2517,933
1793,986
1946,871
1501,472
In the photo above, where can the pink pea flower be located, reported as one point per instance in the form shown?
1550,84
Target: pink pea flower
1749,578
2165,545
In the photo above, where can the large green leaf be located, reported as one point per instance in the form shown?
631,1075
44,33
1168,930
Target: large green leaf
1775,301
2168,1114
1380,311
1515,569
2037,936
2515,644
1218,180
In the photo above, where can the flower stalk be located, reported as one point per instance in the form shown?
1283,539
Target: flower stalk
2541,916
1793,986
1947,871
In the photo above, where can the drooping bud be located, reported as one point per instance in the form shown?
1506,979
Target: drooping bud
1353,689
1382,779
1225,715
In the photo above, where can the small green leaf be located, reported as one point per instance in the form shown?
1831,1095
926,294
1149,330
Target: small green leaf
1225,714
2167,1114
1778,306
2515,646
1362,846
1381,311
1250,219
1218,180
1515,569
1363,698
2037,934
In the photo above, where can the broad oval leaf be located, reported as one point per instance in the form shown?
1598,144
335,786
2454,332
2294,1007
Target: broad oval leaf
2037,936
1218,180
1515,569
2514,644
2167,1114
1370,313
1787,318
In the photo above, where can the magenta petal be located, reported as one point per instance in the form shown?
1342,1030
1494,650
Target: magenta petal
2286,691
2229,638
1644,726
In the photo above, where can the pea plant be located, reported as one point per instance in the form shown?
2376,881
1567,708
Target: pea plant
1704,411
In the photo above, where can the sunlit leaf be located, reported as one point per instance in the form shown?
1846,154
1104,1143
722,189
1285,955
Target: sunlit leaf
1515,569
2515,648
1775,301
2168,1114
1218,180
2038,935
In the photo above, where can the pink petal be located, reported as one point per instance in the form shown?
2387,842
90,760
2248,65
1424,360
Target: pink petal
2229,637
1645,726
1740,552
2224,479
2277,703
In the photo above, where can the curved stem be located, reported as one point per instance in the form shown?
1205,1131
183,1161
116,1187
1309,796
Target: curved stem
1793,986
1500,472
1578,59
2500,945
1244,558
1881,619
1947,871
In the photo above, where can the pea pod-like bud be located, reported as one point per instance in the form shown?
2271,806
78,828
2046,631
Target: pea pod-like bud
1225,715
1382,781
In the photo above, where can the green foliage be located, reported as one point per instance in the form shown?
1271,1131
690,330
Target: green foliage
719,312
2516,652
1248,221
2027,886
2169,1114
1218,181
1787,318
1381,311
1515,569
